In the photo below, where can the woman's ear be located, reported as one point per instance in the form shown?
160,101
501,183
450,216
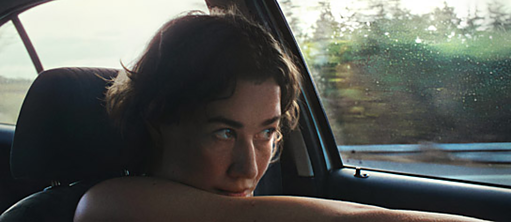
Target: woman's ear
276,149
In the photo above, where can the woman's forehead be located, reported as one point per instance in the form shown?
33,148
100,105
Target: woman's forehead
250,102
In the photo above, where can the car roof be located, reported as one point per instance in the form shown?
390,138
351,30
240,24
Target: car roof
9,6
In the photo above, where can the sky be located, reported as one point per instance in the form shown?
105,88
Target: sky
99,33
308,14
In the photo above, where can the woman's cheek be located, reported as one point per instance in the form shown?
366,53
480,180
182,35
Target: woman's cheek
264,152
215,150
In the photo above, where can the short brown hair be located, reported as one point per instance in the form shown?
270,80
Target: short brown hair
194,59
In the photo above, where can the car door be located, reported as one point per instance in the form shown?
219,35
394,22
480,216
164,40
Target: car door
404,105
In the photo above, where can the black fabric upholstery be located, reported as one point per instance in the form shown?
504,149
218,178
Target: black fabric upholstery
53,204
63,132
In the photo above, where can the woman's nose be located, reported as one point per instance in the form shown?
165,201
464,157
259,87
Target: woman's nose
244,160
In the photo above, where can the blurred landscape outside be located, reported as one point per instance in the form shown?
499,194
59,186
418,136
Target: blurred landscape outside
407,83
78,33
15,61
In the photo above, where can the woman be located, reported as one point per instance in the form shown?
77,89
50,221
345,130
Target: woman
206,104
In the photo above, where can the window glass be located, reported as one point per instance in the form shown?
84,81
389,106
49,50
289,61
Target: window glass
92,33
420,87
96,32
16,73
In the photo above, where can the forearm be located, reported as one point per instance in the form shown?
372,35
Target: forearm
150,199
313,209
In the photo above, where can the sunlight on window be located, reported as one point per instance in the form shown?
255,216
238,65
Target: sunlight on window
413,86
16,73
98,33
81,33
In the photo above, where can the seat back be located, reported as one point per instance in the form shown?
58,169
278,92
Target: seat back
64,136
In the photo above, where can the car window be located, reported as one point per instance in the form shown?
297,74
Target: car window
16,73
98,33
419,87
79,33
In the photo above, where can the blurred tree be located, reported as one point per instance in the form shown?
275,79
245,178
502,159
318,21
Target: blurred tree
500,20
288,7
473,26
326,26
445,22
388,76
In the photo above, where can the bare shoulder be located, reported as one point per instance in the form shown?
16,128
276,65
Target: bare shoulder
144,198
153,199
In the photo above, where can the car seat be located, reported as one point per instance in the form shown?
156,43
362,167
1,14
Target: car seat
64,137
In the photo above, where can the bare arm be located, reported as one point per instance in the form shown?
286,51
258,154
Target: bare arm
151,199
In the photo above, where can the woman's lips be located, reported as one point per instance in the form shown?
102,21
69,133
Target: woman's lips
245,193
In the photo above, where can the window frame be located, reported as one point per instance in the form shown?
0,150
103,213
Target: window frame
13,16
382,188
325,137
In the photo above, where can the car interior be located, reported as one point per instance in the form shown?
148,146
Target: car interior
63,143
76,149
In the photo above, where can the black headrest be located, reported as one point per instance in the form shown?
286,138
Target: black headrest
63,132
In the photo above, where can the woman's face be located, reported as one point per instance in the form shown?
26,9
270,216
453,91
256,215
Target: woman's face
225,146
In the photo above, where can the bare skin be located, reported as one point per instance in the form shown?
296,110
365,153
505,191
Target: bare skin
152,199
211,163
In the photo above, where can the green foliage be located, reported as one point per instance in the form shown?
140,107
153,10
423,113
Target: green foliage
408,78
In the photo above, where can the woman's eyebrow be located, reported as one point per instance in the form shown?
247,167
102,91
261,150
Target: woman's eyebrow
230,122
271,121
236,124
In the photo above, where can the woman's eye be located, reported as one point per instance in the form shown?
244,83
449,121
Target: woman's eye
225,134
266,134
